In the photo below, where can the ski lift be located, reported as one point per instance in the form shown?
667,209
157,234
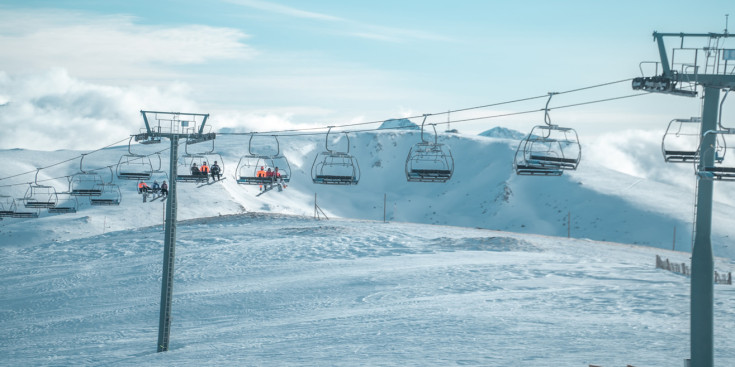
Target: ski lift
134,166
40,196
23,214
67,204
680,143
249,165
110,194
722,169
429,162
548,150
159,174
7,206
85,183
335,168
187,161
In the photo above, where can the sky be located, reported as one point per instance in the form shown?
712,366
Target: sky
80,71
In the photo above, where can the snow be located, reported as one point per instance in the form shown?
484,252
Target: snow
399,124
503,133
477,271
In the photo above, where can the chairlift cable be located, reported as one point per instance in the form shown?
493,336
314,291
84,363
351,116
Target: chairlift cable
69,160
478,118
65,161
418,116
367,123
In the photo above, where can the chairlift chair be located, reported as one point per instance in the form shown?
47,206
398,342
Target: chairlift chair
7,206
67,204
23,214
85,183
110,194
548,150
133,166
158,174
429,162
249,165
40,196
187,160
680,143
335,168
185,163
723,168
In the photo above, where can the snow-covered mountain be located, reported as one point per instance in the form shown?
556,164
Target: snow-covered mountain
259,282
484,192
405,124
503,133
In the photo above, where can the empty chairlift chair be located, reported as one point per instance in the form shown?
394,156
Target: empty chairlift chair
429,161
133,166
723,166
249,165
110,194
7,206
66,204
332,167
548,150
680,143
85,183
40,196
19,213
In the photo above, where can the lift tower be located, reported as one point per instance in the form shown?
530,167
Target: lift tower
174,126
713,68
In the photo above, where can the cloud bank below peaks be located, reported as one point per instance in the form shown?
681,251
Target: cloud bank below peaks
52,110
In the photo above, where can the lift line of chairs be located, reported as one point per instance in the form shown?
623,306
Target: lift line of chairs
547,150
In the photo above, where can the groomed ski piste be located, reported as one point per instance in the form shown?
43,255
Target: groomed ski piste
476,271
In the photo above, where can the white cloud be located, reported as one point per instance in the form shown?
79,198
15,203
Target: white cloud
53,110
347,27
282,9
95,46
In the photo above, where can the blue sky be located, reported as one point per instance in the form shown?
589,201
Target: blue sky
280,64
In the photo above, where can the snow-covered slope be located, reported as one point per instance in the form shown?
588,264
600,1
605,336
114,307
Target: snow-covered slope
484,192
274,290
259,282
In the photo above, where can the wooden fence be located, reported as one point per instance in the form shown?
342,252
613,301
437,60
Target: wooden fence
683,268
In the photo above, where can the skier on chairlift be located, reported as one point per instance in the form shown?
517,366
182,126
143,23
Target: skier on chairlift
261,174
216,171
143,187
279,180
164,189
204,169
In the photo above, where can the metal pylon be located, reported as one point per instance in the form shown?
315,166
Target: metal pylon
169,247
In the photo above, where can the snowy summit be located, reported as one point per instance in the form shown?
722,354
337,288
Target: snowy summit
503,133
404,124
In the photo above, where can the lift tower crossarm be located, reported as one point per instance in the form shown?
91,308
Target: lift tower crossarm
659,37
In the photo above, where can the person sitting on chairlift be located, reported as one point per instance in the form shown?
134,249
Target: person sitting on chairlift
194,169
215,171
261,174
143,187
204,169
269,178
156,187
279,181
164,188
